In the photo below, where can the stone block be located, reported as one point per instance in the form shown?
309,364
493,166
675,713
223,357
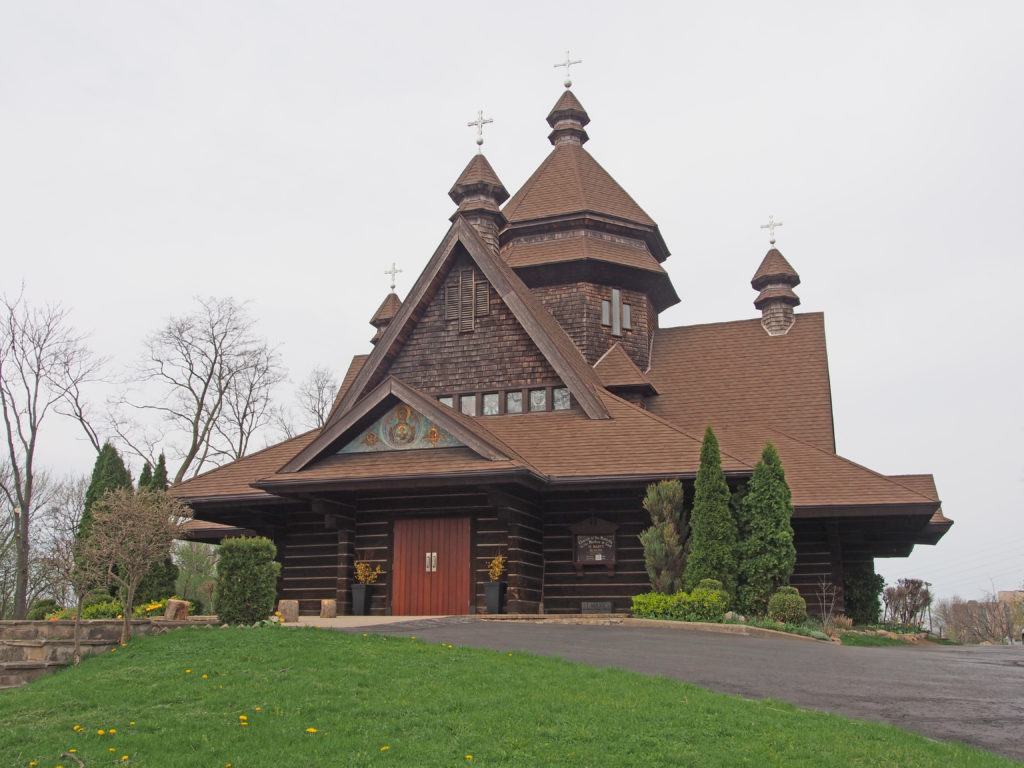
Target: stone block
177,610
328,609
289,610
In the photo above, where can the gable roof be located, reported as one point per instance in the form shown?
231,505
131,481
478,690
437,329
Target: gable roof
343,429
732,374
552,340
618,371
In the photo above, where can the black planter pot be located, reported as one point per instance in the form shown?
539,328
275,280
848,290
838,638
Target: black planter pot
360,599
495,593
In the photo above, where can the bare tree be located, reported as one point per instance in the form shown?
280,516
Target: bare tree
210,379
315,396
60,518
131,531
43,364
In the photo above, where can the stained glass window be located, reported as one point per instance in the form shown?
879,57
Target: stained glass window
560,400
538,400
514,402
491,404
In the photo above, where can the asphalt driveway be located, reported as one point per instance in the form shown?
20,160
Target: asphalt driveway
969,694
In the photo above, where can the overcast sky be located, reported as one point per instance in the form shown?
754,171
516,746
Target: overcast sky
285,153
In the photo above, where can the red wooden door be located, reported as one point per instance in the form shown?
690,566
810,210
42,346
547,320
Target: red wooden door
431,567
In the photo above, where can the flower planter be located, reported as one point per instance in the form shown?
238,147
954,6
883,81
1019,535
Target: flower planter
495,593
360,599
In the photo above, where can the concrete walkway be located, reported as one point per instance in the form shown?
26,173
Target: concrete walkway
971,694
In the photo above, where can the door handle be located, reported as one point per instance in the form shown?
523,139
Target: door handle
431,562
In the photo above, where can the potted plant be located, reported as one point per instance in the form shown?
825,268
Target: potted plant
366,575
495,588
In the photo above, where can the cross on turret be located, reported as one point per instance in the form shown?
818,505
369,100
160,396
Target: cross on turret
393,272
480,122
770,226
569,61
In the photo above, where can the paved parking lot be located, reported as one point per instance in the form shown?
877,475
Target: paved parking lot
970,694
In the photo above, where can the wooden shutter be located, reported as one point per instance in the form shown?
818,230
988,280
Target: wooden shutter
483,298
466,300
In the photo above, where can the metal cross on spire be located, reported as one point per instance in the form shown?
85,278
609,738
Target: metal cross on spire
569,61
480,122
393,272
770,226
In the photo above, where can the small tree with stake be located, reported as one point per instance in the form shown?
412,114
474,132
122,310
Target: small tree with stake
665,540
131,531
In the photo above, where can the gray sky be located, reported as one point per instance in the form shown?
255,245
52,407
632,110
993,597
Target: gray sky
286,152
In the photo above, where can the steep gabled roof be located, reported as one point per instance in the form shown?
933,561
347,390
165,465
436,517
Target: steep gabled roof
731,374
538,323
571,181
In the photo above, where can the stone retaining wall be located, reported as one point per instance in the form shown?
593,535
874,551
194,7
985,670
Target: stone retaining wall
29,649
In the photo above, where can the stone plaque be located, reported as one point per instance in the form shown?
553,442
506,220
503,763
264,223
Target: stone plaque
596,606
593,543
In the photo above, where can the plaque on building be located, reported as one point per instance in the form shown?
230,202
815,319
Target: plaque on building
593,543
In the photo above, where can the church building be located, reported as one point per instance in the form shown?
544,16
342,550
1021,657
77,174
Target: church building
523,395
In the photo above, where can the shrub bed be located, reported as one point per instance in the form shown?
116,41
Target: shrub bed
699,605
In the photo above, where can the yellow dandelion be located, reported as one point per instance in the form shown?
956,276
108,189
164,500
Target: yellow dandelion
124,645
72,750
113,650
101,732
131,723
204,677
124,757
110,750
31,764
242,717
243,723
77,728
384,749
413,637
188,671
364,634
469,757
112,730
311,730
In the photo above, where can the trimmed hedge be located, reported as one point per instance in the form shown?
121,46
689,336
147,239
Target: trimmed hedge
246,580
699,605
787,606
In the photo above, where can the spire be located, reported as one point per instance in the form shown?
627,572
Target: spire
385,313
775,280
479,194
568,119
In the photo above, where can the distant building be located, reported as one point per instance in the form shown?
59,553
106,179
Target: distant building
523,395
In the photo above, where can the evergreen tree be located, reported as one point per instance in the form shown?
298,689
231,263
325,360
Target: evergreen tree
146,476
108,474
159,481
664,541
712,544
765,551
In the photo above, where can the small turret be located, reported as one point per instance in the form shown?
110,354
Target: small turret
385,314
479,194
775,280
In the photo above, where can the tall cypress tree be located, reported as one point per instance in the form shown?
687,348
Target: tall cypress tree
766,552
109,473
159,481
712,542
146,476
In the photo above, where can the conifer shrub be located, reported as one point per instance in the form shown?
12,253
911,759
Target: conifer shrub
40,609
664,542
158,583
862,591
787,606
246,580
712,542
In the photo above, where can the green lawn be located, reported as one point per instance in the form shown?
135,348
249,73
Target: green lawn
306,697
854,638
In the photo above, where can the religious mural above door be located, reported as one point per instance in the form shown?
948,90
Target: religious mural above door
401,429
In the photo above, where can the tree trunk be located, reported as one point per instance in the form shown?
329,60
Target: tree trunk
21,566
78,630
126,614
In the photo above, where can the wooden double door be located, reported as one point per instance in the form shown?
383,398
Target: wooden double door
432,576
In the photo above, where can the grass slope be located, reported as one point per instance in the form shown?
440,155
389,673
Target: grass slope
181,700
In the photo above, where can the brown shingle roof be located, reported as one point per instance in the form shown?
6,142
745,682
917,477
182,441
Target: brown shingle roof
386,311
734,374
568,103
616,369
350,375
477,171
526,253
774,269
571,181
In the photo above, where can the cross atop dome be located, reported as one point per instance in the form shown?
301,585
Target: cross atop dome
480,122
569,61
770,226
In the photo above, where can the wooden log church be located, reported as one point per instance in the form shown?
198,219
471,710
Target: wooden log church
523,395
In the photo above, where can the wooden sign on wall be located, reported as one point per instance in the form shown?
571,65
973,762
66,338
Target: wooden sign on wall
593,543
